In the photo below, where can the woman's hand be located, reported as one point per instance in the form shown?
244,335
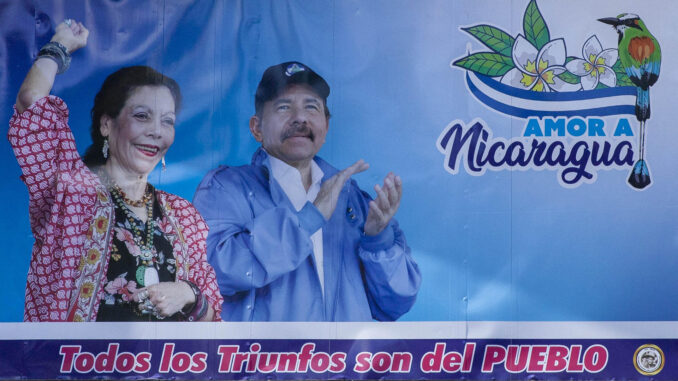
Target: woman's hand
40,79
73,36
166,298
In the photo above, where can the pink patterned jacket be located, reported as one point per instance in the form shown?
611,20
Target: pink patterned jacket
71,215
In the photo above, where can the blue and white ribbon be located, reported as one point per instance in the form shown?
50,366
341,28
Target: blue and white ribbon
525,103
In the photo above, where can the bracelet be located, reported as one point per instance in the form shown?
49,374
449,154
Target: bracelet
57,53
198,309
60,46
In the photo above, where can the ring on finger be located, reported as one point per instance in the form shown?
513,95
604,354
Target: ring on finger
144,308
147,305
157,314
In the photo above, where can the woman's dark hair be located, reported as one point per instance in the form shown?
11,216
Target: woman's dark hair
111,99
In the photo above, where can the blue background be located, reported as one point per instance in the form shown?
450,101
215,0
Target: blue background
508,245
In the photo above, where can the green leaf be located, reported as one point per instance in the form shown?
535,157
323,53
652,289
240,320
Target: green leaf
494,38
622,77
569,77
491,64
623,80
618,66
534,26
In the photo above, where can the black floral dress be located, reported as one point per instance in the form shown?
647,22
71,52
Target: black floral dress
126,270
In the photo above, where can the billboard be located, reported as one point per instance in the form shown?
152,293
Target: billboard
535,157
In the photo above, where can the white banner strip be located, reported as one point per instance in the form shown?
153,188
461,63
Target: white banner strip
340,331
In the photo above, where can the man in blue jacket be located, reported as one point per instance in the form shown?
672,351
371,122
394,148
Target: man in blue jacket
291,237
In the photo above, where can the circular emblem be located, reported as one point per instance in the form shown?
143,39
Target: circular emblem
648,359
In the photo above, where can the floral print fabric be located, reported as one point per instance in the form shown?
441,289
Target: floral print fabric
71,216
125,263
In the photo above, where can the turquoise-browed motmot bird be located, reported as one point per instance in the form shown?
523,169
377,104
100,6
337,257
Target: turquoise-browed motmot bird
640,56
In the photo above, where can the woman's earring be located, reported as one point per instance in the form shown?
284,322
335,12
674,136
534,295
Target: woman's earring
105,149
164,166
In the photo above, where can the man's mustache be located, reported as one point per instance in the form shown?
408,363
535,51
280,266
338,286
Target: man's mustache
298,129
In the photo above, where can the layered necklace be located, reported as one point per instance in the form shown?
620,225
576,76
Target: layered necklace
147,272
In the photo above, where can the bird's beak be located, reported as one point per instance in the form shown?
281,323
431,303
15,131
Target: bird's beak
610,20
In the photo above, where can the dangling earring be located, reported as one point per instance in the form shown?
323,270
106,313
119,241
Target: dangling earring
164,166
105,149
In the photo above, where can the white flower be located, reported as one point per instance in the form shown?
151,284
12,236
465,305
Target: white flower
538,70
596,65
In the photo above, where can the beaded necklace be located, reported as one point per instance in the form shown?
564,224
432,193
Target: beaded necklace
135,203
147,272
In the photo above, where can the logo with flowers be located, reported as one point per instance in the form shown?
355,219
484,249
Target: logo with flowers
574,106
533,61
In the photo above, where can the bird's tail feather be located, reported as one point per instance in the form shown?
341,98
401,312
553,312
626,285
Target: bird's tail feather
643,104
